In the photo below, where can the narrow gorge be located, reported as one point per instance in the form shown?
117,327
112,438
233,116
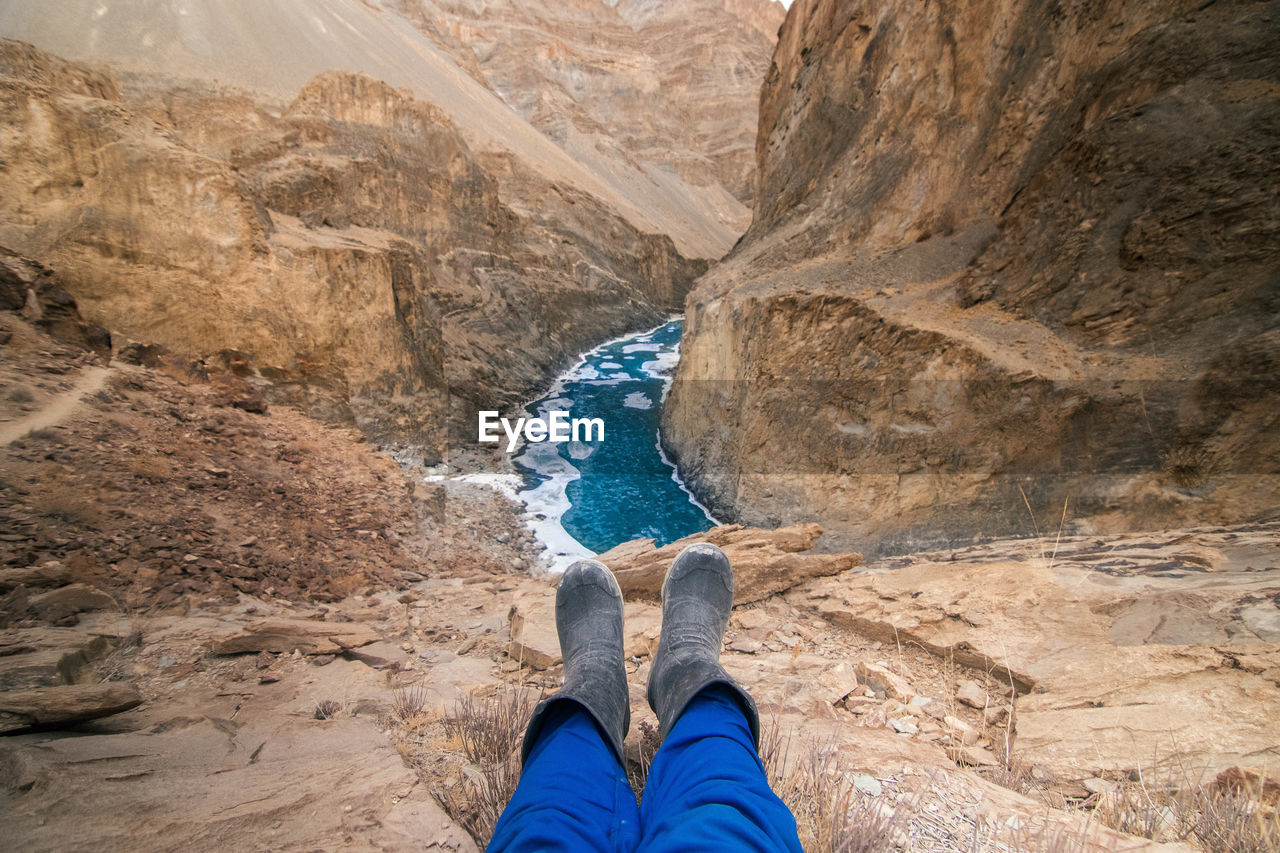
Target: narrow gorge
955,325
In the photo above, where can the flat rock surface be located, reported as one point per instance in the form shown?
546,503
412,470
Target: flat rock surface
1111,672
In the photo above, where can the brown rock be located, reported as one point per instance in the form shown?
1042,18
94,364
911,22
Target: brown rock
532,620
57,604
49,574
286,635
1249,783
972,695
881,679
50,706
972,756
765,562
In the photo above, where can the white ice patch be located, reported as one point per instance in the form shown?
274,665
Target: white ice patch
578,450
507,484
549,500
662,366
630,348
609,365
638,400
580,373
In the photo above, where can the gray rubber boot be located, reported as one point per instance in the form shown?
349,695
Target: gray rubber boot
589,623
697,596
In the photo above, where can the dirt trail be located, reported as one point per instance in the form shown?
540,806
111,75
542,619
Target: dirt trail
58,408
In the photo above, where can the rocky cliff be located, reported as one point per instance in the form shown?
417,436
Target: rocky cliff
348,246
627,80
1013,267
592,70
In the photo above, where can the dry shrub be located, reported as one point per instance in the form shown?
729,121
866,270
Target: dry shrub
831,814
490,731
408,703
1187,465
1231,821
67,503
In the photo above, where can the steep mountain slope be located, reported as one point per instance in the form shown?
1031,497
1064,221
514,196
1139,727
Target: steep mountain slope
1004,256
348,248
277,46
627,81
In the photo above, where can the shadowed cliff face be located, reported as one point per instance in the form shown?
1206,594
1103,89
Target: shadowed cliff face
348,245
1011,262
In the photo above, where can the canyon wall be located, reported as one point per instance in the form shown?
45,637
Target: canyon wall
627,80
1012,269
347,248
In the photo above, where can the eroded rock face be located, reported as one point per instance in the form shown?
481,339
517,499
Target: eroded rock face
1011,268
349,248
670,86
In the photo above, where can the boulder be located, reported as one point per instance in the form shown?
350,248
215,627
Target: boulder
306,636
70,703
52,573
765,562
65,601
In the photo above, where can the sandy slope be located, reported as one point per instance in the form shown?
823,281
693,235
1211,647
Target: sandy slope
278,45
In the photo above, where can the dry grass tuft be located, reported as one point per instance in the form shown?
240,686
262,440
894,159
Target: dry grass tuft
490,731
408,703
328,709
1187,465
831,814
1236,820
639,764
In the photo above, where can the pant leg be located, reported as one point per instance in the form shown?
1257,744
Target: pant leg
573,794
707,788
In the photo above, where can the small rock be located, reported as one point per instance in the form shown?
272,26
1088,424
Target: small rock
1098,786
322,660
52,573
903,726
56,604
971,694
868,785
972,756
879,678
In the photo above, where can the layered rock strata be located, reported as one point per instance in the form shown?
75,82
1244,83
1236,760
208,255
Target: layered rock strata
1012,270
348,249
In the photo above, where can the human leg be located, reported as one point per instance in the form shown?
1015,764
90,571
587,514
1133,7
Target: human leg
573,792
707,788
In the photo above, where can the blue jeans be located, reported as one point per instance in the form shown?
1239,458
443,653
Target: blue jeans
706,789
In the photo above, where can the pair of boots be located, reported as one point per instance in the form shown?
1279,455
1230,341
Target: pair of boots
697,596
